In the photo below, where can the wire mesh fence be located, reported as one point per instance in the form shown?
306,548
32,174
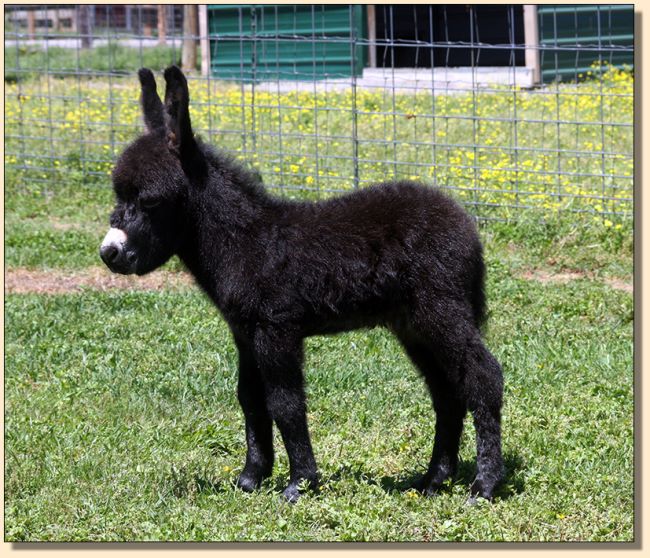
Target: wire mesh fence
509,107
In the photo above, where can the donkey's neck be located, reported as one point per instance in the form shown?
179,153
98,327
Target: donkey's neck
225,223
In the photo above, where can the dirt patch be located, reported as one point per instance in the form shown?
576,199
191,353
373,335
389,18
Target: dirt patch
620,285
23,281
53,223
548,277
62,226
566,276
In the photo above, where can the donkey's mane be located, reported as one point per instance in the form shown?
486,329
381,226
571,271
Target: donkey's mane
244,178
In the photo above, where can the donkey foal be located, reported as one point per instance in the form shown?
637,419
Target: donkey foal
398,254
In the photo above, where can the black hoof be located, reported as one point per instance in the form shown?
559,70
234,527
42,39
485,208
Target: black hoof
249,483
427,487
291,493
480,490
294,491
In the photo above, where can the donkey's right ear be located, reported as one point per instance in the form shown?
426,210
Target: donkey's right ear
152,107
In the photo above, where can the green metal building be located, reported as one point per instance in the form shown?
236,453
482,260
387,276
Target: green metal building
572,37
263,42
269,42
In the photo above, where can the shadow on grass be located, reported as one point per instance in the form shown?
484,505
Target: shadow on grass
512,484
200,485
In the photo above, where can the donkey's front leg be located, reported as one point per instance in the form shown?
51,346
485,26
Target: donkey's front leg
279,357
259,434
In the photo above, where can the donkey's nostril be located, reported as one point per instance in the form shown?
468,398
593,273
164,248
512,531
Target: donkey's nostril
108,253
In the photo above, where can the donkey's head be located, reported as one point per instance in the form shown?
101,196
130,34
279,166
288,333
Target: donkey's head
151,180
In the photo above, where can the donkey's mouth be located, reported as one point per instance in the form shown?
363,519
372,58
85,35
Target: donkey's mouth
122,270
118,261
114,253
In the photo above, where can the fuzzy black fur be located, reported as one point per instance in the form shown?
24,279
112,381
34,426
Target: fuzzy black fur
399,254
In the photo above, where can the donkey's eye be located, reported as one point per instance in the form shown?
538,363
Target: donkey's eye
149,203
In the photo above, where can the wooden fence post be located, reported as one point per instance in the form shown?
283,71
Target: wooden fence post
204,39
531,39
31,24
85,29
162,24
190,31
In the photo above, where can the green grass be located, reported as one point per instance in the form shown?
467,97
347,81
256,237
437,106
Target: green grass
61,62
102,445
122,424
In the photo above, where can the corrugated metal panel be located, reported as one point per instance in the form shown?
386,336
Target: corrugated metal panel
600,30
269,42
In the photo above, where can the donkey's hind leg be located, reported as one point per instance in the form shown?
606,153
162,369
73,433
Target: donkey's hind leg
461,374
484,384
450,408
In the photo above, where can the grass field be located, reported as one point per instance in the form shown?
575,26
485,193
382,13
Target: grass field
34,61
122,421
121,418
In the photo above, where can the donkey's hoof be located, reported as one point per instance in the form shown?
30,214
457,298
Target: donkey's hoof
426,486
291,493
249,483
471,501
294,491
479,490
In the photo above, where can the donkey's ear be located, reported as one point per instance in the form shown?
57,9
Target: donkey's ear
152,107
180,137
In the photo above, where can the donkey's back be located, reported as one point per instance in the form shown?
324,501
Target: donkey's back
369,257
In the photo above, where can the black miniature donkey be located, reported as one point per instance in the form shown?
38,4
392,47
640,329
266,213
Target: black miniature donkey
399,254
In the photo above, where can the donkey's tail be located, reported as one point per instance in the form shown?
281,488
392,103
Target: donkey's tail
477,300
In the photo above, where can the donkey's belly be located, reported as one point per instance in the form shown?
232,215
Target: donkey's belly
347,319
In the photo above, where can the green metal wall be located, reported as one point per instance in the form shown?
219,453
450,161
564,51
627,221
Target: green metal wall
306,42
295,42
600,31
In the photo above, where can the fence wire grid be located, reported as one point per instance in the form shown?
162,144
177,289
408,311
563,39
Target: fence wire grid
509,107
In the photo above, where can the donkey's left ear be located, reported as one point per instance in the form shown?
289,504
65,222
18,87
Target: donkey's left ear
152,107
180,137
